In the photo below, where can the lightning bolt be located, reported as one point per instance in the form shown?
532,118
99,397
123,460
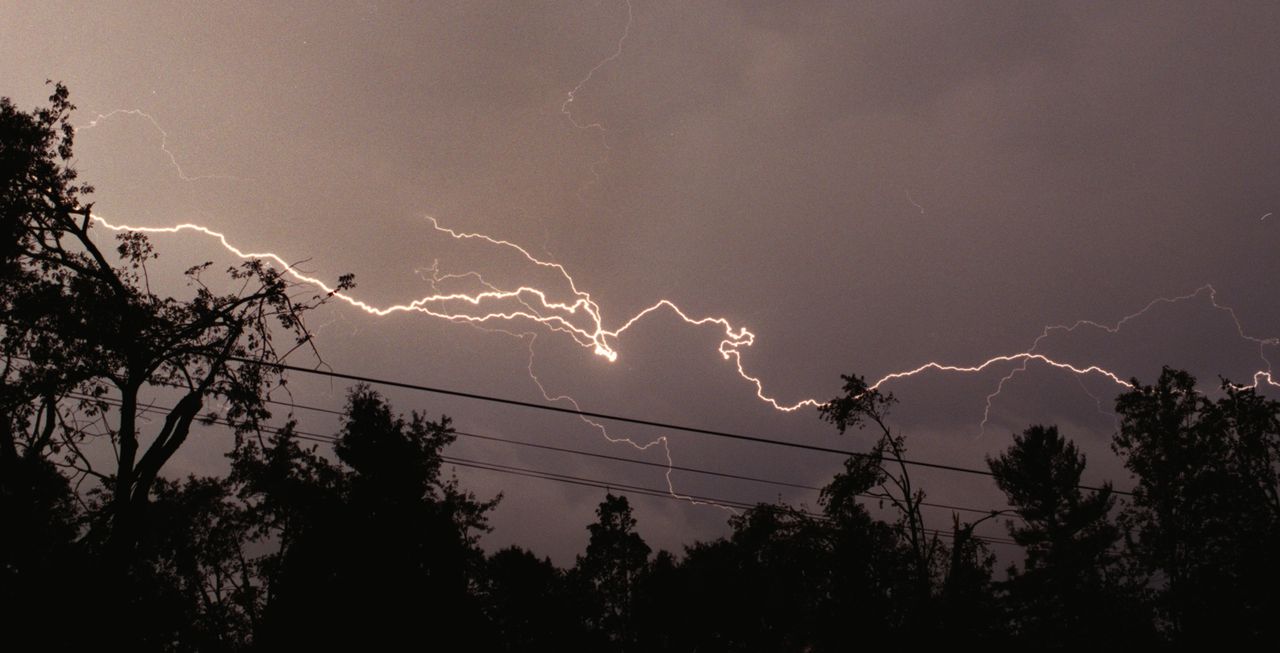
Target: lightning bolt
534,305
1259,376
529,337
914,202
164,141
661,441
596,126
574,313
524,303
582,318
573,94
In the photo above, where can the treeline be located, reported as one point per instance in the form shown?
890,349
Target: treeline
369,543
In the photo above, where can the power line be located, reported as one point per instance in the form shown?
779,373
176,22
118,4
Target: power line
575,480
579,452
666,494
631,420
589,454
563,478
633,461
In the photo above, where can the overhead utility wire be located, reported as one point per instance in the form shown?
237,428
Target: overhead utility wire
580,452
463,462
622,459
634,420
577,480
565,478
635,461
631,420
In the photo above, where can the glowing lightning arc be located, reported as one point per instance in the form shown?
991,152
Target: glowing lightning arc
596,126
573,94
573,312
164,141
660,441
535,305
532,304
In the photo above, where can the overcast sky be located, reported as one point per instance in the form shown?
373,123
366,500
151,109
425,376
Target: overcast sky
867,187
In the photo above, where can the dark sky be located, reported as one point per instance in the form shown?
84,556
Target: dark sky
867,187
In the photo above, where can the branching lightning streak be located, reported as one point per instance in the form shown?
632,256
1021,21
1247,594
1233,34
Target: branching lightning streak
596,126
530,338
164,141
1003,358
535,305
1212,292
575,314
617,52
604,432
1258,377
595,337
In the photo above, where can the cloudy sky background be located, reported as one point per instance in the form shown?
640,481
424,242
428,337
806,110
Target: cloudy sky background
866,186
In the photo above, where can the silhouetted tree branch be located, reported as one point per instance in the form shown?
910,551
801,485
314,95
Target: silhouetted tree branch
76,320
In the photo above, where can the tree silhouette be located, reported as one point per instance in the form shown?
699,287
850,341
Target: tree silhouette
873,566
74,320
779,556
80,321
1205,519
610,570
39,525
196,539
1066,594
968,608
861,407
528,604
382,539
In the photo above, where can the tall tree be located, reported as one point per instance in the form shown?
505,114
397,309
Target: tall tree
74,320
82,334
384,539
871,568
201,578
1205,519
936,592
864,407
610,570
1067,592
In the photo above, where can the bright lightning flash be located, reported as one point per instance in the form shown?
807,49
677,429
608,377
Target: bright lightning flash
582,319
572,311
